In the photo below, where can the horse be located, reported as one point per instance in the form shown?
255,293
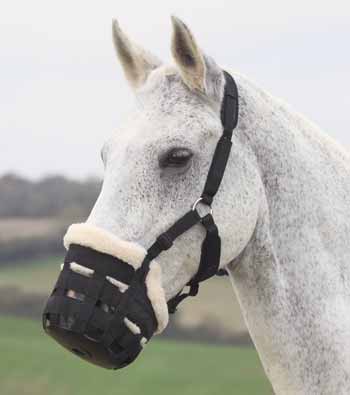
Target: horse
282,210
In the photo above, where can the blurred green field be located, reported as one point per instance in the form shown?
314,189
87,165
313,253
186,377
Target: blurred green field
32,364
39,275
35,275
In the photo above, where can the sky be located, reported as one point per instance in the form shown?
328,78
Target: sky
63,93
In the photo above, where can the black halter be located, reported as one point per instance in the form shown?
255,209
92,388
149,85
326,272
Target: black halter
211,246
93,324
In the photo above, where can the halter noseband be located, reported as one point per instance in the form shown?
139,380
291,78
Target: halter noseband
211,247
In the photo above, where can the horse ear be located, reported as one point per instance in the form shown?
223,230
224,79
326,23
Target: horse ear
198,71
136,62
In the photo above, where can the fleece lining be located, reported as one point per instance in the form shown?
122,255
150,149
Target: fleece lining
103,241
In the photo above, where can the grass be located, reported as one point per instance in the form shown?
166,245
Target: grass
31,363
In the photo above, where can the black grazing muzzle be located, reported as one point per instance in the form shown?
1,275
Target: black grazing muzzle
100,309
104,307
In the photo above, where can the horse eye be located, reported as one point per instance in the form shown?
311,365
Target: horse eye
176,157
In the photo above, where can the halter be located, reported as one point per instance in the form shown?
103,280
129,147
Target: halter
102,307
211,246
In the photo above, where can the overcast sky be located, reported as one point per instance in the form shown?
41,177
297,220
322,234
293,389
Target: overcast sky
62,92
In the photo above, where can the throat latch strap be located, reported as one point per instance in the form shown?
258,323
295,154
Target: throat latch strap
177,299
208,265
210,252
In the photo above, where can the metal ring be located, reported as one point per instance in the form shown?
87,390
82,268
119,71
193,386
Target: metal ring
195,204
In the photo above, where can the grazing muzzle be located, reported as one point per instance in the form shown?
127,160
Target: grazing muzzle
104,306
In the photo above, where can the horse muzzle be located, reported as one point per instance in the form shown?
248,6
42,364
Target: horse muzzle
104,307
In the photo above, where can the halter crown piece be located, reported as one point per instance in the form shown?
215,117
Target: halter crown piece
211,247
108,300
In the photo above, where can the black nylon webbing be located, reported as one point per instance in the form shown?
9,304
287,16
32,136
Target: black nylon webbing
105,264
229,106
209,261
166,239
210,252
90,306
229,119
217,169
211,246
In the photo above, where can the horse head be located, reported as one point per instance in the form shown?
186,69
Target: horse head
156,165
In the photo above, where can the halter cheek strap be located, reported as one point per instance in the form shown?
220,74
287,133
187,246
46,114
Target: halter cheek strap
108,300
211,246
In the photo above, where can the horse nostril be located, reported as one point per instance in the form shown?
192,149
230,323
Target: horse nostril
81,353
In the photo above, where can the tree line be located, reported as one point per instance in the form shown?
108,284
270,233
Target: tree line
51,196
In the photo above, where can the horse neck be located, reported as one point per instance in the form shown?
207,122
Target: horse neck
291,279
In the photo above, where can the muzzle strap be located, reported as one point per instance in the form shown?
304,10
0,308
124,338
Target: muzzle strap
166,239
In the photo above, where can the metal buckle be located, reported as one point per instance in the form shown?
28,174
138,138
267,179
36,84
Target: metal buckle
200,201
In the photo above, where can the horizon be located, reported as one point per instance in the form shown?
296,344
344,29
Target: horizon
43,177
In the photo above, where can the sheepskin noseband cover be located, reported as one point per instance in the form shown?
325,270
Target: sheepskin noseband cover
104,308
